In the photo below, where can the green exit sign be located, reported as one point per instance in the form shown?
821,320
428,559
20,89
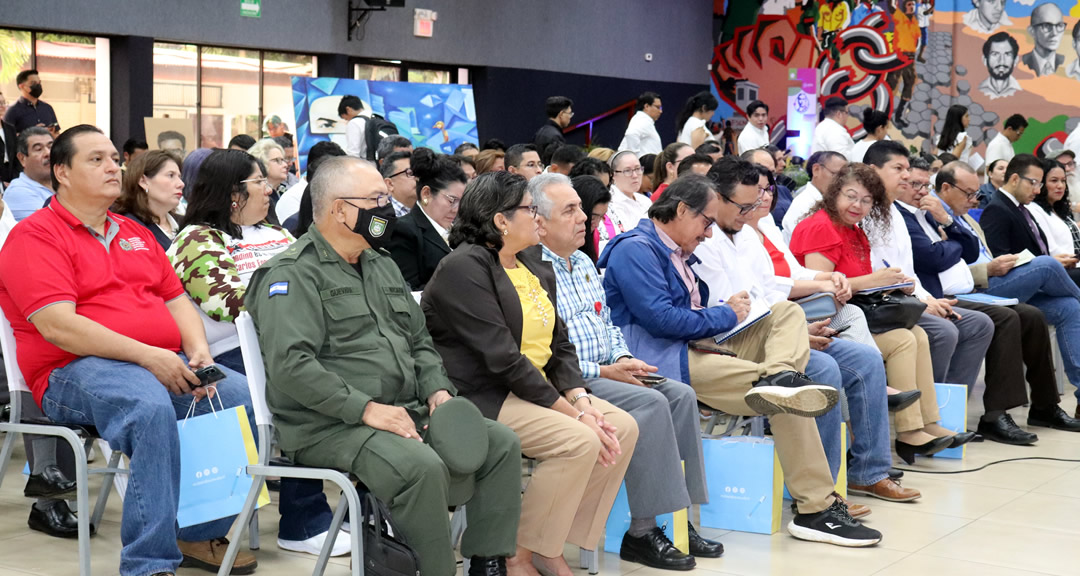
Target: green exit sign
251,8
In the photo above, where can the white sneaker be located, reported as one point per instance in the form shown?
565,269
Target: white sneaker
314,545
346,527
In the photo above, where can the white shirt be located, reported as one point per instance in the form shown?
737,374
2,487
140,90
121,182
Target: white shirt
1011,87
7,222
830,135
443,232
893,249
805,199
957,279
626,212
999,148
641,136
922,14
752,138
1073,70
1058,235
961,137
355,143
692,124
971,20
721,255
858,152
289,203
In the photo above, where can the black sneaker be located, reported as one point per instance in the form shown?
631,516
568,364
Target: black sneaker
790,392
833,525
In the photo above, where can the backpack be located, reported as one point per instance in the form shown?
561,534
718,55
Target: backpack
375,130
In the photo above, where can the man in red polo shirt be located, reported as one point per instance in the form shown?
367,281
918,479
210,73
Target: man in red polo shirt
107,338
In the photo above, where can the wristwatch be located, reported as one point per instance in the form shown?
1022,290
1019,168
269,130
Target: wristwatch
579,396
949,222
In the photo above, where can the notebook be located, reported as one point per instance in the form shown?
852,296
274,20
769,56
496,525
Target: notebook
987,299
886,288
1023,258
758,310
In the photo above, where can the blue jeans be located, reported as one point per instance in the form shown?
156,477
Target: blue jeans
862,372
1045,284
137,415
823,370
303,507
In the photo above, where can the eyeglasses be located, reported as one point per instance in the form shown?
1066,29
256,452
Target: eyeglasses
1048,27
744,209
281,161
708,221
531,208
770,189
865,202
1035,182
407,172
916,186
534,166
1070,165
380,200
451,200
636,171
971,194
261,181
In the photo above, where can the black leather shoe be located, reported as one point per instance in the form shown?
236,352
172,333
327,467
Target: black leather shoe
898,402
58,520
908,452
1003,429
703,547
487,566
961,438
655,551
1056,418
51,483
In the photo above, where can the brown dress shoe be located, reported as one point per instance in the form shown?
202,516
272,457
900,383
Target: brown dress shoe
887,489
855,510
208,555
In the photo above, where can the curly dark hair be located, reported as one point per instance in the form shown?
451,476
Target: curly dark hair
867,178
1063,206
486,196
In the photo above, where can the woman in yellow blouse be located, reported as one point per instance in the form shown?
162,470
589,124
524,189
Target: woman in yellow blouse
491,312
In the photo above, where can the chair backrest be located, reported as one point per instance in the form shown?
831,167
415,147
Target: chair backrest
253,365
16,382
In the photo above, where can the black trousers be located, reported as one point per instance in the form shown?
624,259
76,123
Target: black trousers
1021,328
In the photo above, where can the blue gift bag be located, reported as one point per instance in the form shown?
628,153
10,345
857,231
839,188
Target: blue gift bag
952,405
618,522
745,484
215,450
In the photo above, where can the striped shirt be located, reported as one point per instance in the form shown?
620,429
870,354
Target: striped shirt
583,307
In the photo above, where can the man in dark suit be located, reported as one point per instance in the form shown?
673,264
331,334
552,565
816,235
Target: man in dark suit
1047,27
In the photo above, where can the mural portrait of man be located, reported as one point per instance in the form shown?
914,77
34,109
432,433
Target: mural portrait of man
987,16
999,56
1047,27
1073,71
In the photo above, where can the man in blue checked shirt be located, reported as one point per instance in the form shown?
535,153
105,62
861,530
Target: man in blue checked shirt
665,410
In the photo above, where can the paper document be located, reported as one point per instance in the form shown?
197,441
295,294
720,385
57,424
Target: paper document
886,288
1023,258
758,310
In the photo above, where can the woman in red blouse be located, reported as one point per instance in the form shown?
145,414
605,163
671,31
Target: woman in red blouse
831,240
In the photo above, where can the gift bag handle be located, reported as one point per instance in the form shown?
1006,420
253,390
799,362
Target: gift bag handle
191,409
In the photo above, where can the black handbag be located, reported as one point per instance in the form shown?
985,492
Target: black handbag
890,310
385,551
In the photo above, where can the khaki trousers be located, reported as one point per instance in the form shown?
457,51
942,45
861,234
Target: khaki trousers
775,344
908,366
570,494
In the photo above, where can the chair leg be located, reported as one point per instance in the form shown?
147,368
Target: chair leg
106,487
589,559
331,537
242,520
253,531
5,452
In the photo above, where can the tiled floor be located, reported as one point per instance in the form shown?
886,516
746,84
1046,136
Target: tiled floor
1012,519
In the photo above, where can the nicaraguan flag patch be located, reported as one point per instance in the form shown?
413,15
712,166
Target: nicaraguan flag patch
281,288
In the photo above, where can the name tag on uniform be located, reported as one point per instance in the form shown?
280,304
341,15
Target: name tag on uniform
279,288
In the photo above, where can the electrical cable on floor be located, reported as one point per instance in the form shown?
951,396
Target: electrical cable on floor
984,466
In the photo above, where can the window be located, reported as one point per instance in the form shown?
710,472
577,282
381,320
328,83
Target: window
376,72
397,71
429,76
239,88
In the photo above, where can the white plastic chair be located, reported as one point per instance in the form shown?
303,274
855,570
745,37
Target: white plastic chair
80,438
256,378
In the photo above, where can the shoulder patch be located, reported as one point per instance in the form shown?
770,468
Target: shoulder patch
279,288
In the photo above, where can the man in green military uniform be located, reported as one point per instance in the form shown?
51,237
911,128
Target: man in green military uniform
354,382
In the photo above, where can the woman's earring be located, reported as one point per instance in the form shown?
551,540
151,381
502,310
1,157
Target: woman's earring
235,205
506,232
424,201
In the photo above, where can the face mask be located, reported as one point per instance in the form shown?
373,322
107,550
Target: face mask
35,91
375,225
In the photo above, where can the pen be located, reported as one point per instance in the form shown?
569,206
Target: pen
886,263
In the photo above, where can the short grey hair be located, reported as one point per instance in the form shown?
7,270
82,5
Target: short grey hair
538,187
330,179
261,150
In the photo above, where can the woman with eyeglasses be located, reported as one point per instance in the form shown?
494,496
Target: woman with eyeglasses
420,238
831,240
224,239
272,156
491,312
627,206
1051,210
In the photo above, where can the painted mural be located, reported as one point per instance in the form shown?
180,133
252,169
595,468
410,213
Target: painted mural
909,59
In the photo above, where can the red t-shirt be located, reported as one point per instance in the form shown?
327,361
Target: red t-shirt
51,257
779,262
659,190
847,248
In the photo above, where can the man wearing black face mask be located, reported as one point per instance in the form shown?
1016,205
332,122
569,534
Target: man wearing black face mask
30,110
353,379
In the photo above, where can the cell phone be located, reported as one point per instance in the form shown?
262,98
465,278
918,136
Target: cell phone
841,329
208,375
651,379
